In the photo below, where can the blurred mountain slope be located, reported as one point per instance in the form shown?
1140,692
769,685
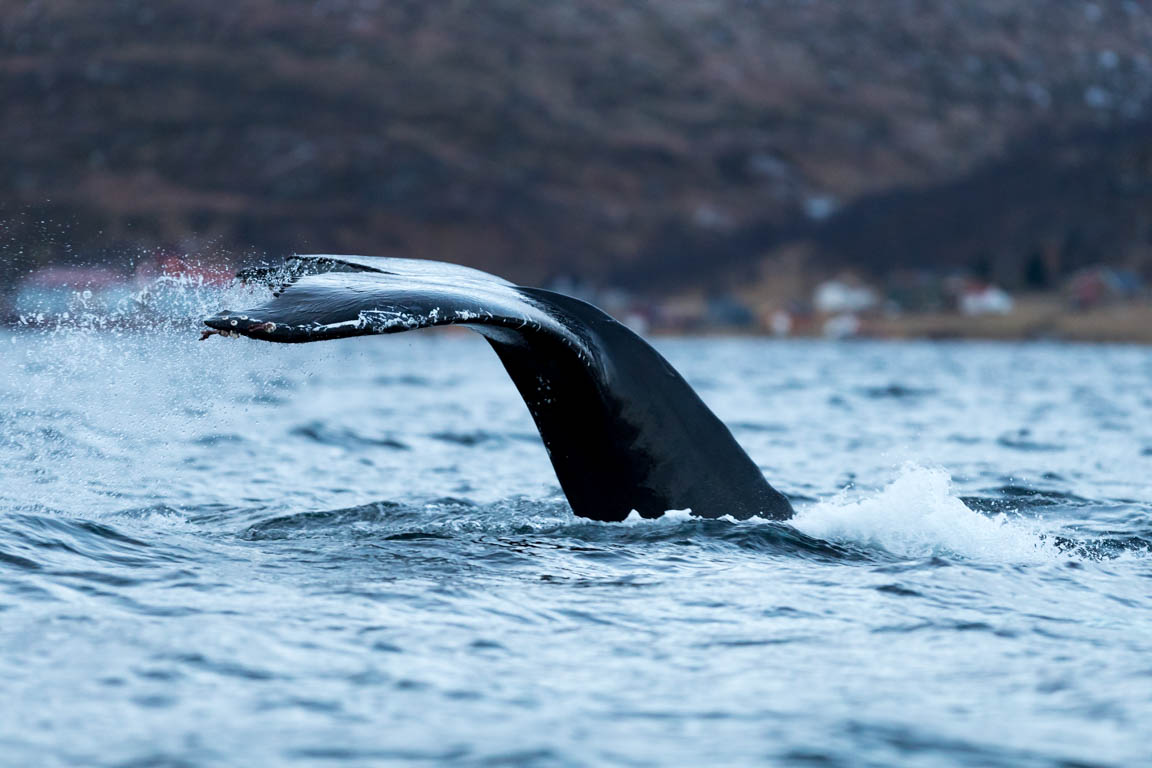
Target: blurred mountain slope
637,141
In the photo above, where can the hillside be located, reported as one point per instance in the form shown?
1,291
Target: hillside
646,143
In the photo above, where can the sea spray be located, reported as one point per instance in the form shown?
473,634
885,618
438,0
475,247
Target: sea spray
919,514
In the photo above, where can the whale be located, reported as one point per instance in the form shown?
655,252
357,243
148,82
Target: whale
624,431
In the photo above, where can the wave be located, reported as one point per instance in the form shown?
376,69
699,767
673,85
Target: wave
918,515
520,518
1014,497
344,437
35,540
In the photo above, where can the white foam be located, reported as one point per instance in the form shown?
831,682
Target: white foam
919,515
669,516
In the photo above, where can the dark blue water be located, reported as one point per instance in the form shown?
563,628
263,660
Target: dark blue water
355,553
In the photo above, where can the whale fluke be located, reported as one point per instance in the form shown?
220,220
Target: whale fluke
624,431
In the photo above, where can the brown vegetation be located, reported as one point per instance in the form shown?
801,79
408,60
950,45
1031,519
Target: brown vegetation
648,143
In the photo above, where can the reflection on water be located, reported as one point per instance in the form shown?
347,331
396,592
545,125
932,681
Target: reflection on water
235,553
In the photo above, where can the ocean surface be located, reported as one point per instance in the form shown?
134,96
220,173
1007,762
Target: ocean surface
355,553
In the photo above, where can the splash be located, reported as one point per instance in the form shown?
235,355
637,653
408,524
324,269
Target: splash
169,301
669,516
919,515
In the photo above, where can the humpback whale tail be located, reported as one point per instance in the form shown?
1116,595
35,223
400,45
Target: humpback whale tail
623,430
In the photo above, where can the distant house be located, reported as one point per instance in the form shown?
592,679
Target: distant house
1099,286
978,299
727,311
843,326
844,295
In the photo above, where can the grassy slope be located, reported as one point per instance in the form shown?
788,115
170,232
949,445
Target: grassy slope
640,140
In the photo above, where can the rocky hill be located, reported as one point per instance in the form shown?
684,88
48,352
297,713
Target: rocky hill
647,142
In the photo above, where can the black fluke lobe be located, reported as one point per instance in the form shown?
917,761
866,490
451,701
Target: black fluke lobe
623,430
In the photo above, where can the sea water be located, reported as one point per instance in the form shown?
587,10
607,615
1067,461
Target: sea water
234,553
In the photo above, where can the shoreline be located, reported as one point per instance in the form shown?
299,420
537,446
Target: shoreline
1033,319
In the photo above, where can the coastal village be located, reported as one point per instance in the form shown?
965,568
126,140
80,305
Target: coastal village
981,169
1095,304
